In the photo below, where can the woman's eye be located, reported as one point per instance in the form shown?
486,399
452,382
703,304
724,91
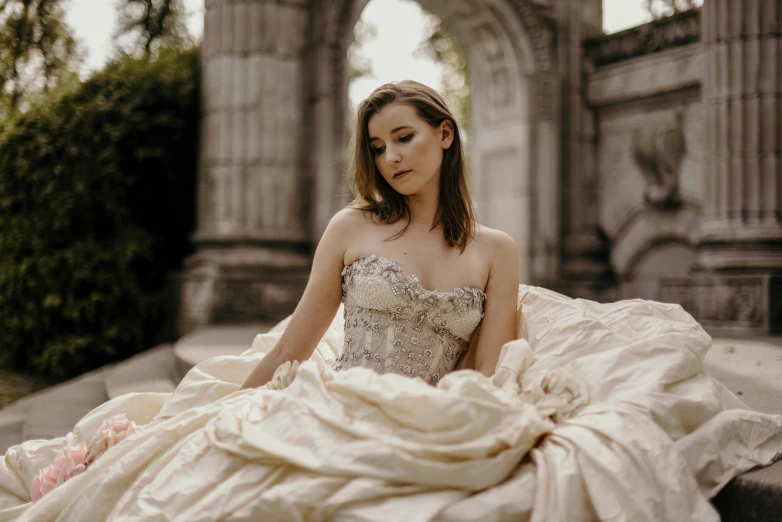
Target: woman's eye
378,150
406,138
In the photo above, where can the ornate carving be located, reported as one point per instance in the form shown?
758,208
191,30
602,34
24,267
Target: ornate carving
241,300
744,303
680,70
538,18
658,153
725,301
681,29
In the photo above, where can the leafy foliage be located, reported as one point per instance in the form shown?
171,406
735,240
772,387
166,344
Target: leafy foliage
145,25
97,199
359,65
441,46
37,51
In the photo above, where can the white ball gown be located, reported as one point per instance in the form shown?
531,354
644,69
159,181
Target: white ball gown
595,412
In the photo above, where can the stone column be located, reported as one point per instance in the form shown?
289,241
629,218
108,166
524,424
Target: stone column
252,241
586,271
738,281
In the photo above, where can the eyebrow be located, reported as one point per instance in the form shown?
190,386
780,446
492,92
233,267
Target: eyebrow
373,138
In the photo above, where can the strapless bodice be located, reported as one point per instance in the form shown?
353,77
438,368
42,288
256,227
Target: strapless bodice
394,324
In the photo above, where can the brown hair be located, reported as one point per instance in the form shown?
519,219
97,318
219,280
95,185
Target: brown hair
370,190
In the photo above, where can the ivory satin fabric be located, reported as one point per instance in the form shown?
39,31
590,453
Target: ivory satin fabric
596,412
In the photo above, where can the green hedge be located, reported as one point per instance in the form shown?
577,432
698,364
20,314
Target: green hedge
97,203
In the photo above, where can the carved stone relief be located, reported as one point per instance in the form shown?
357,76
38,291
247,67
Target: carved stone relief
658,154
241,300
729,301
492,53
672,31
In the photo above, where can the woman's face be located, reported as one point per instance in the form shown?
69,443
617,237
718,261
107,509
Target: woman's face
401,141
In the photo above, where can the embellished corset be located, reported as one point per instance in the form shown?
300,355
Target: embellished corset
395,325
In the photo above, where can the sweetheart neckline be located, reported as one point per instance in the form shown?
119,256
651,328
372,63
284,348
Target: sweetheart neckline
414,277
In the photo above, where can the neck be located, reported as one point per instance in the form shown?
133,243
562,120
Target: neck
423,207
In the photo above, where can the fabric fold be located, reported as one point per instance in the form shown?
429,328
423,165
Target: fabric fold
596,412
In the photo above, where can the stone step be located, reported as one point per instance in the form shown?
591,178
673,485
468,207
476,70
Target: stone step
149,385
57,412
752,369
52,412
214,340
11,428
153,370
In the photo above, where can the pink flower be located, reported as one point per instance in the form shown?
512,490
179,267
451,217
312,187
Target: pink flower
111,432
70,462
114,430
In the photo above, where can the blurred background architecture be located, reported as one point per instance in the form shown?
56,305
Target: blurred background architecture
168,189
178,172
645,163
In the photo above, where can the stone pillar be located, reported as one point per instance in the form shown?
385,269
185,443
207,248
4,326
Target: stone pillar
252,241
586,270
738,280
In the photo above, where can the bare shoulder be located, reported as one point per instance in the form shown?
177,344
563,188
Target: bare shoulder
501,256
345,226
497,244
347,222
348,219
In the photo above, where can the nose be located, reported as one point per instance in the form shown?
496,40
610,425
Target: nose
392,156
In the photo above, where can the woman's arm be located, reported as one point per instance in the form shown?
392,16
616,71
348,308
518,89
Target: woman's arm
318,304
499,313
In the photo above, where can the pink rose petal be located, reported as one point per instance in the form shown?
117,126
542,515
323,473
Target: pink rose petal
70,462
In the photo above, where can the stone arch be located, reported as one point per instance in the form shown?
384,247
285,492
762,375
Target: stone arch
647,229
666,257
516,174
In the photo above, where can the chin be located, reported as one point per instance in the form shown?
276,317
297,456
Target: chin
407,189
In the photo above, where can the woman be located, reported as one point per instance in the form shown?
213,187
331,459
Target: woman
412,212
577,410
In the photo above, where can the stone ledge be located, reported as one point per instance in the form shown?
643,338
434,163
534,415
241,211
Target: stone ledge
146,386
750,368
666,33
743,303
644,77
215,340
146,371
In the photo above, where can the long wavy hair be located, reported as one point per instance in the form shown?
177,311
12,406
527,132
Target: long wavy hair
370,190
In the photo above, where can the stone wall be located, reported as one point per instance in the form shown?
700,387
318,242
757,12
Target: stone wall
688,152
273,154
645,87
641,164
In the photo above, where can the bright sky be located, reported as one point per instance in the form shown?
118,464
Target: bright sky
392,57
93,23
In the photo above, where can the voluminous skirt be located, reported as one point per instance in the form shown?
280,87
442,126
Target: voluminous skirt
595,412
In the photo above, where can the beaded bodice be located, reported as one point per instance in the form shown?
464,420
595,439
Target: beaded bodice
393,324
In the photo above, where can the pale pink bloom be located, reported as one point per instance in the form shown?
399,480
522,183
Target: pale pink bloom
111,432
70,462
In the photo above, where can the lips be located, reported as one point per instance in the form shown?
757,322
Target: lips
400,174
